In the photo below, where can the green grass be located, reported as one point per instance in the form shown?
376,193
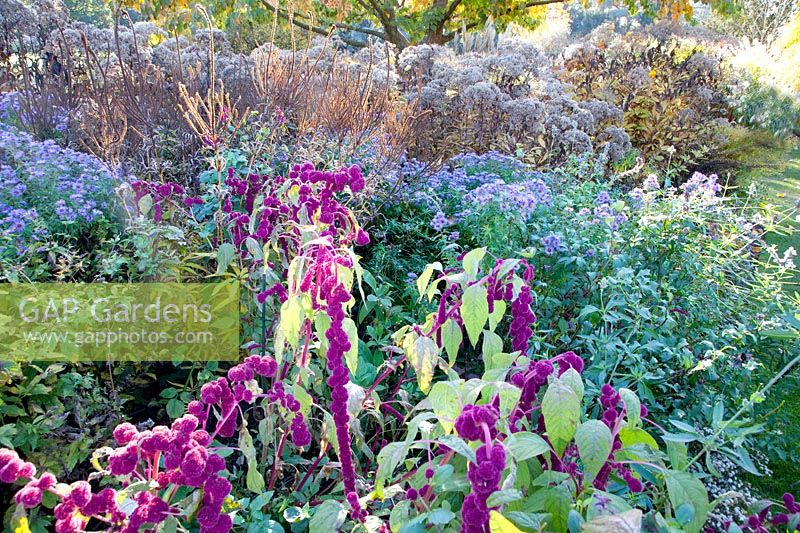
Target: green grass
773,165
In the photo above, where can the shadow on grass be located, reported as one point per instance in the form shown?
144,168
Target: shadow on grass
773,165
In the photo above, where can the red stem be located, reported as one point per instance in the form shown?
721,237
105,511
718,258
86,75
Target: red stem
385,374
274,476
313,467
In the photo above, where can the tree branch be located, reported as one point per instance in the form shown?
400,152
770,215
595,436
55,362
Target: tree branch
451,9
344,26
293,18
534,3
527,5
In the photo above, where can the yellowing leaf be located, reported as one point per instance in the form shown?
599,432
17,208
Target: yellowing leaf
500,524
422,355
627,522
22,526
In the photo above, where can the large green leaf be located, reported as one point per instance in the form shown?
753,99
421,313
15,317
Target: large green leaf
225,254
472,262
292,315
474,311
594,446
451,339
446,404
388,458
525,445
553,500
561,409
328,517
685,489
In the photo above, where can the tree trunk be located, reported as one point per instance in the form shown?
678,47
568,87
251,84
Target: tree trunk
436,33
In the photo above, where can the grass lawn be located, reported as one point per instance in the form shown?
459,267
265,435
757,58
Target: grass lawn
774,166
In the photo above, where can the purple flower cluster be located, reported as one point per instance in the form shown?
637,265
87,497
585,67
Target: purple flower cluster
440,221
478,181
522,198
179,455
315,200
299,431
651,183
484,477
605,213
489,160
78,498
478,423
702,187
187,460
522,317
44,186
759,523
551,243
160,193
336,295
637,197
611,400
603,198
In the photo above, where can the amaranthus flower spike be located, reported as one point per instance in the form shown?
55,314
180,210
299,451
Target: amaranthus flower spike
478,423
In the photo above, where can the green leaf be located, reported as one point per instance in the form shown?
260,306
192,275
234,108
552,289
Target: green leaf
502,497
425,278
492,344
225,254
594,446
305,399
561,409
451,339
321,324
528,521
474,311
497,314
175,408
441,517
677,453
145,204
255,481
472,262
328,517
389,457
458,445
627,522
572,378
170,525
422,355
632,406
246,444
553,500
684,514
524,445
629,437
446,404
351,357
292,315
684,489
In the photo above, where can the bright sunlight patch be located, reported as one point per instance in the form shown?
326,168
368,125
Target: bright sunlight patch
119,321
